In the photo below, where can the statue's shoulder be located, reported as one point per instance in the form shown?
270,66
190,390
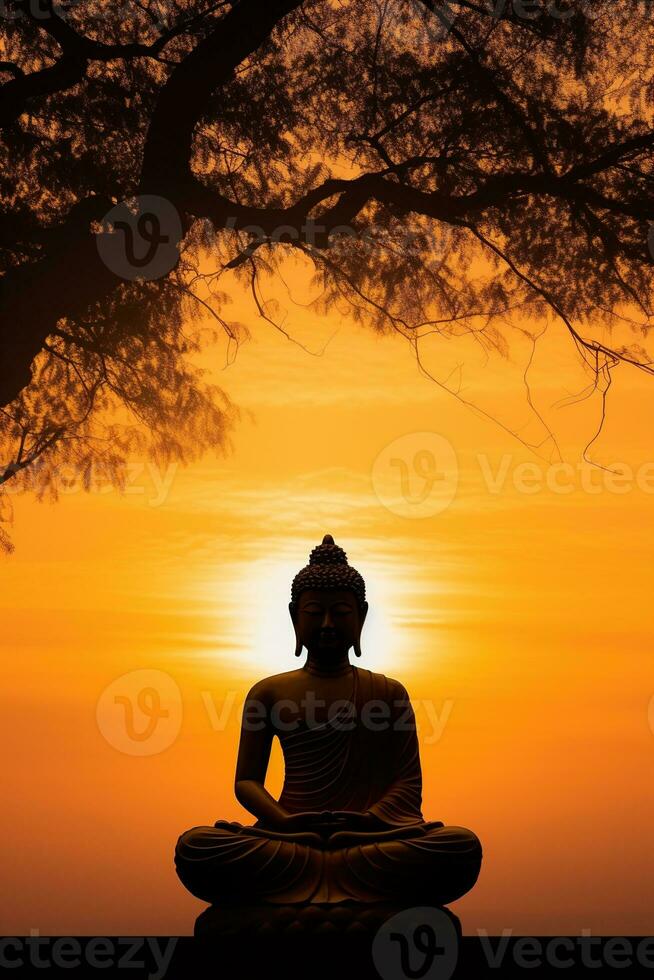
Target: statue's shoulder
382,682
274,686
262,689
399,691
395,684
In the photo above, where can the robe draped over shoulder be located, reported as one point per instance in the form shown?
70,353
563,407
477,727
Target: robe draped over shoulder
364,757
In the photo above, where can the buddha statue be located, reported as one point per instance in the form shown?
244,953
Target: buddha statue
348,825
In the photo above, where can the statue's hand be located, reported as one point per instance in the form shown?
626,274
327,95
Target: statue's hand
320,821
355,820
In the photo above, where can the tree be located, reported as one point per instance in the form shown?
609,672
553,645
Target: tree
351,132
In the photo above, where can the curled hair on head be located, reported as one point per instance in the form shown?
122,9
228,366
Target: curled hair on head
328,568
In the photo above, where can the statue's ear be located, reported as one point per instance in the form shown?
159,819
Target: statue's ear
364,612
298,643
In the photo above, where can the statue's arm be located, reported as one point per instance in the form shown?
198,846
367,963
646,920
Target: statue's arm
400,805
257,733
253,757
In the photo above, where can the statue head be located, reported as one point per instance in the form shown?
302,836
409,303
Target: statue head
328,602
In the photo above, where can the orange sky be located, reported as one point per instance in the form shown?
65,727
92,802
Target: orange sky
520,623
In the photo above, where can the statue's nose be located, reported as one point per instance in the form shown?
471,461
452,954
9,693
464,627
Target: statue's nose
327,621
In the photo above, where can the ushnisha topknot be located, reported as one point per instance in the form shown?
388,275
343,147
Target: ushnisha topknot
328,568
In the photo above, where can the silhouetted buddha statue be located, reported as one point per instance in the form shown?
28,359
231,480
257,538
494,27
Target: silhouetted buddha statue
348,823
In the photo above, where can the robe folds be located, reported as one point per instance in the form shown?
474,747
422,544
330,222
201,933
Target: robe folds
365,757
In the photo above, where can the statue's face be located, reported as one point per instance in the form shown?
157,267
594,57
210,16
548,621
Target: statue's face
328,620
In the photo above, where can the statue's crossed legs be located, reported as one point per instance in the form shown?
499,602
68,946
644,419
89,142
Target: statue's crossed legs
229,862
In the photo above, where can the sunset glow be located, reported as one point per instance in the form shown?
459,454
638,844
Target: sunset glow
518,621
